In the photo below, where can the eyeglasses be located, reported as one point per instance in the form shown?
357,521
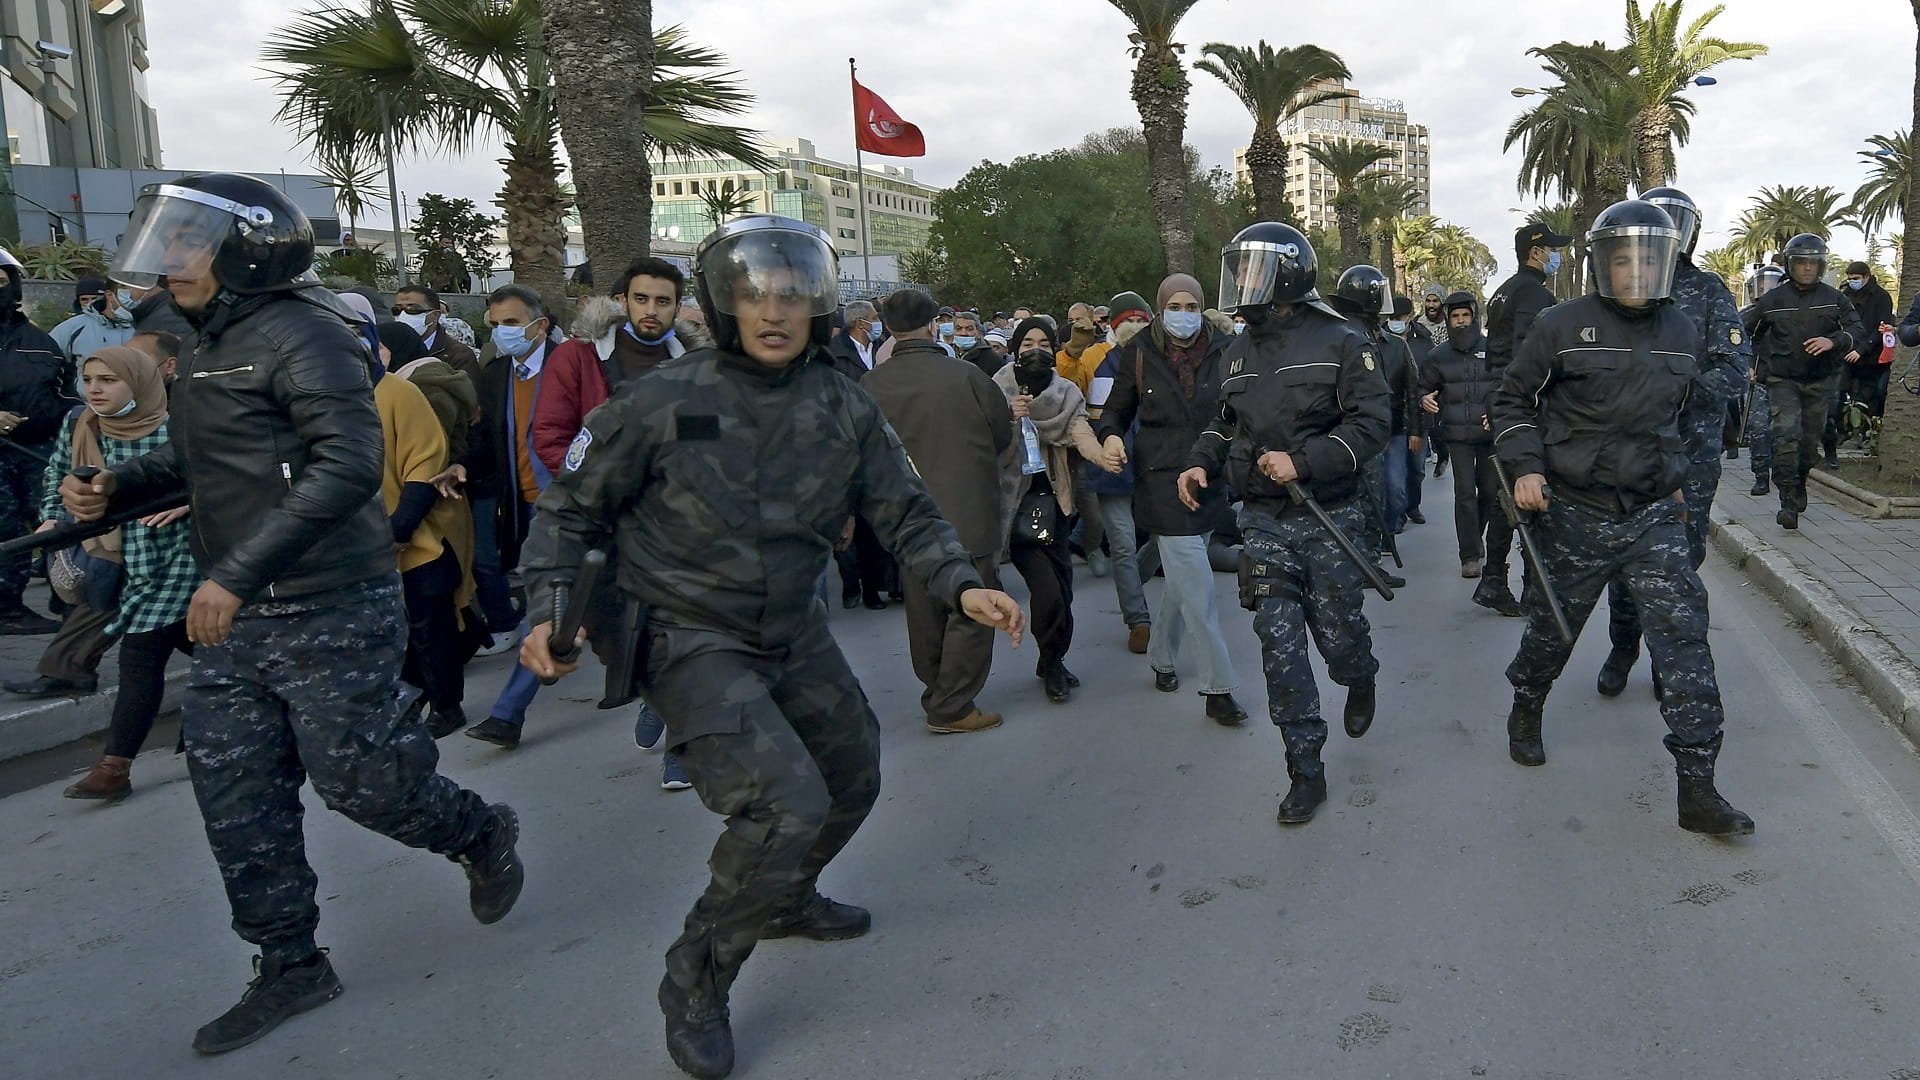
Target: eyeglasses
412,309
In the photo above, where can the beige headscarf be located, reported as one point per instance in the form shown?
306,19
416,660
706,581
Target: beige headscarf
139,371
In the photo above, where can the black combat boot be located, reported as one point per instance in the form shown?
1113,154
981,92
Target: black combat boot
1702,810
444,722
278,991
1523,731
1613,673
1787,519
1304,797
818,918
1165,681
1223,710
1058,683
494,870
1831,463
1358,715
1760,486
699,1036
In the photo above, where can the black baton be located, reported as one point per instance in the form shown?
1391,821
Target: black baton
1366,565
572,599
1530,552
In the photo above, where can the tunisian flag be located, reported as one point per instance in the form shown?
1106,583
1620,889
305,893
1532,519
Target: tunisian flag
879,130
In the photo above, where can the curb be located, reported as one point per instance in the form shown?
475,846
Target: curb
45,725
1890,680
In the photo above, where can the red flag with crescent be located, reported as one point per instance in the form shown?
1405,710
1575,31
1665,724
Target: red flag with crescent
879,130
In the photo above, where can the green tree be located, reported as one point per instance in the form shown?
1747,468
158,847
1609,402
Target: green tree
724,203
1884,195
1577,143
1274,85
1383,199
1562,219
455,242
1347,161
1159,89
1780,213
1666,60
1729,262
1900,428
445,73
355,176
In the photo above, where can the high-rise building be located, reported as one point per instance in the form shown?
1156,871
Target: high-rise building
1310,188
73,85
806,186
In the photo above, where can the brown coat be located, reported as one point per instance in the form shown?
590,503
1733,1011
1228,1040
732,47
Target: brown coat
956,427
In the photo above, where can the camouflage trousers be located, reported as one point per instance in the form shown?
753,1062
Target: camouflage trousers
1584,549
1703,480
1760,431
307,689
1799,420
1305,585
782,743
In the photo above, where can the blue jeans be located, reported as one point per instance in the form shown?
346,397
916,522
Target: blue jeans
489,577
1189,600
1396,464
1116,512
1416,473
516,696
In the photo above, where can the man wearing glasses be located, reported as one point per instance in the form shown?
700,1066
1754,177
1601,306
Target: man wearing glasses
419,307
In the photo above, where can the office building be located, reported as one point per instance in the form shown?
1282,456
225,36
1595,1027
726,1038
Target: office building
73,85
1310,188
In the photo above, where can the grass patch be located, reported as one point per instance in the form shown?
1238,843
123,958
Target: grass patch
1865,473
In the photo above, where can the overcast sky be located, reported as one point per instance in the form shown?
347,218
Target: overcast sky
995,79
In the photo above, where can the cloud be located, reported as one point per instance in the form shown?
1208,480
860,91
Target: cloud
995,79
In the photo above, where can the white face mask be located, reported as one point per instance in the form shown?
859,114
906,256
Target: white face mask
121,411
416,323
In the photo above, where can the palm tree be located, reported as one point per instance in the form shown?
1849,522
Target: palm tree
1900,429
1383,199
724,203
1461,261
1577,144
1563,219
605,133
1780,213
1729,262
1159,89
1884,196
1274,85
1413,250
354,176
1347,161
443,72
1666,60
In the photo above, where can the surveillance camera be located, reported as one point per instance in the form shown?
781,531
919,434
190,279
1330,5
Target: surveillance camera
53,52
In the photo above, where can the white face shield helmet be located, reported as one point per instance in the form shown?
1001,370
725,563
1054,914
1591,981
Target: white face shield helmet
1633,248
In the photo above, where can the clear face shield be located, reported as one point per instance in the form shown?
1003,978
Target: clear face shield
1686,219
1634,265
173,234
771,275
1249,271
1806,269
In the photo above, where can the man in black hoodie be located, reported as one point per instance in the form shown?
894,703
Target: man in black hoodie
1457,381
1870,363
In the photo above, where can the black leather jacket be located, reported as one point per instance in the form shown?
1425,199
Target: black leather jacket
1309,385
1783,321
1593,403
32,382
277,440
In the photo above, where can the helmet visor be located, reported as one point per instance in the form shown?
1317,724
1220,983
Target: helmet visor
1634,265
1686,219
169,236
1248,273
772,275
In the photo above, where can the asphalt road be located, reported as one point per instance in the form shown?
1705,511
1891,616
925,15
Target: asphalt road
1095,890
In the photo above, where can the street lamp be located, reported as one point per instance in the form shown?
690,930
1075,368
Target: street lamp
1522,91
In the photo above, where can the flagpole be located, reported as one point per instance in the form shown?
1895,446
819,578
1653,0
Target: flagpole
860,173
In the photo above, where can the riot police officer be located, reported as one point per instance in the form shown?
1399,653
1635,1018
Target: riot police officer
1587,417
1722,354
1801,329
1759,427
1302,409
298,628
1365,297
724,479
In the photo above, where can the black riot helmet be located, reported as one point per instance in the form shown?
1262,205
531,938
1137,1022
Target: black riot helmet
1266,263
1764,281
1633,246
245,231
1685,215
1803,249
770,260
14,289
1364,288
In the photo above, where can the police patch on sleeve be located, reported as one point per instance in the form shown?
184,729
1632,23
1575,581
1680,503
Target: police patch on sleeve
1733,337
577,450
1366,357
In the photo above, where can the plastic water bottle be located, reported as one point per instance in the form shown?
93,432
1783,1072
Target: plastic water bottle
1035,462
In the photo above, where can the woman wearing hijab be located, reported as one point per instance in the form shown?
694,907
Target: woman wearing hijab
125,416
433,535
1054,411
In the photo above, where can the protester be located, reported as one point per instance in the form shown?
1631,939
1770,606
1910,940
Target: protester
105,318
1112,494
420,309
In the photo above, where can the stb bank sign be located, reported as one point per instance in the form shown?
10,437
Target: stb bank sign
1353,129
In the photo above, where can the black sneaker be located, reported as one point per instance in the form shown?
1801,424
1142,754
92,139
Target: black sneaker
496,731
820,919
699,1034
24,623
444,722
494,871
1058,688
277,992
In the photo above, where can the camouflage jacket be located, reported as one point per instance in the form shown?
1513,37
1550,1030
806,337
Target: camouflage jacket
725,486
1725,355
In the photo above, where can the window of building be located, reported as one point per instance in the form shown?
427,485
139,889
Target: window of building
677,190
846,234
846,211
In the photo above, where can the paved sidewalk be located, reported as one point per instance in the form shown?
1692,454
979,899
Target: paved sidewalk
1854,582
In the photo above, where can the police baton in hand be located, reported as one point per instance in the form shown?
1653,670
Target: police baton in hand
572,599
1523,528
1319,512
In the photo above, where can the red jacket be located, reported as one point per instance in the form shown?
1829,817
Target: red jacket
573,381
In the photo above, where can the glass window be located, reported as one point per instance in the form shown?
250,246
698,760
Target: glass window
677,188
845,211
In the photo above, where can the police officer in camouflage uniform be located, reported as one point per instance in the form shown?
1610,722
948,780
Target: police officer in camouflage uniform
299,625
724,479
1364,297
1592,406
1759,404
1304,401
1722,352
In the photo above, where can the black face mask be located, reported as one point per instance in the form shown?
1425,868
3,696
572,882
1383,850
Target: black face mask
1033,378
1462,337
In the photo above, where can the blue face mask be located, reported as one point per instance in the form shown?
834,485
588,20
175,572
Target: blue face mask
1239,328
1553,263
1856,286
1182,324
965,341
874,331
1397,326
512,340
